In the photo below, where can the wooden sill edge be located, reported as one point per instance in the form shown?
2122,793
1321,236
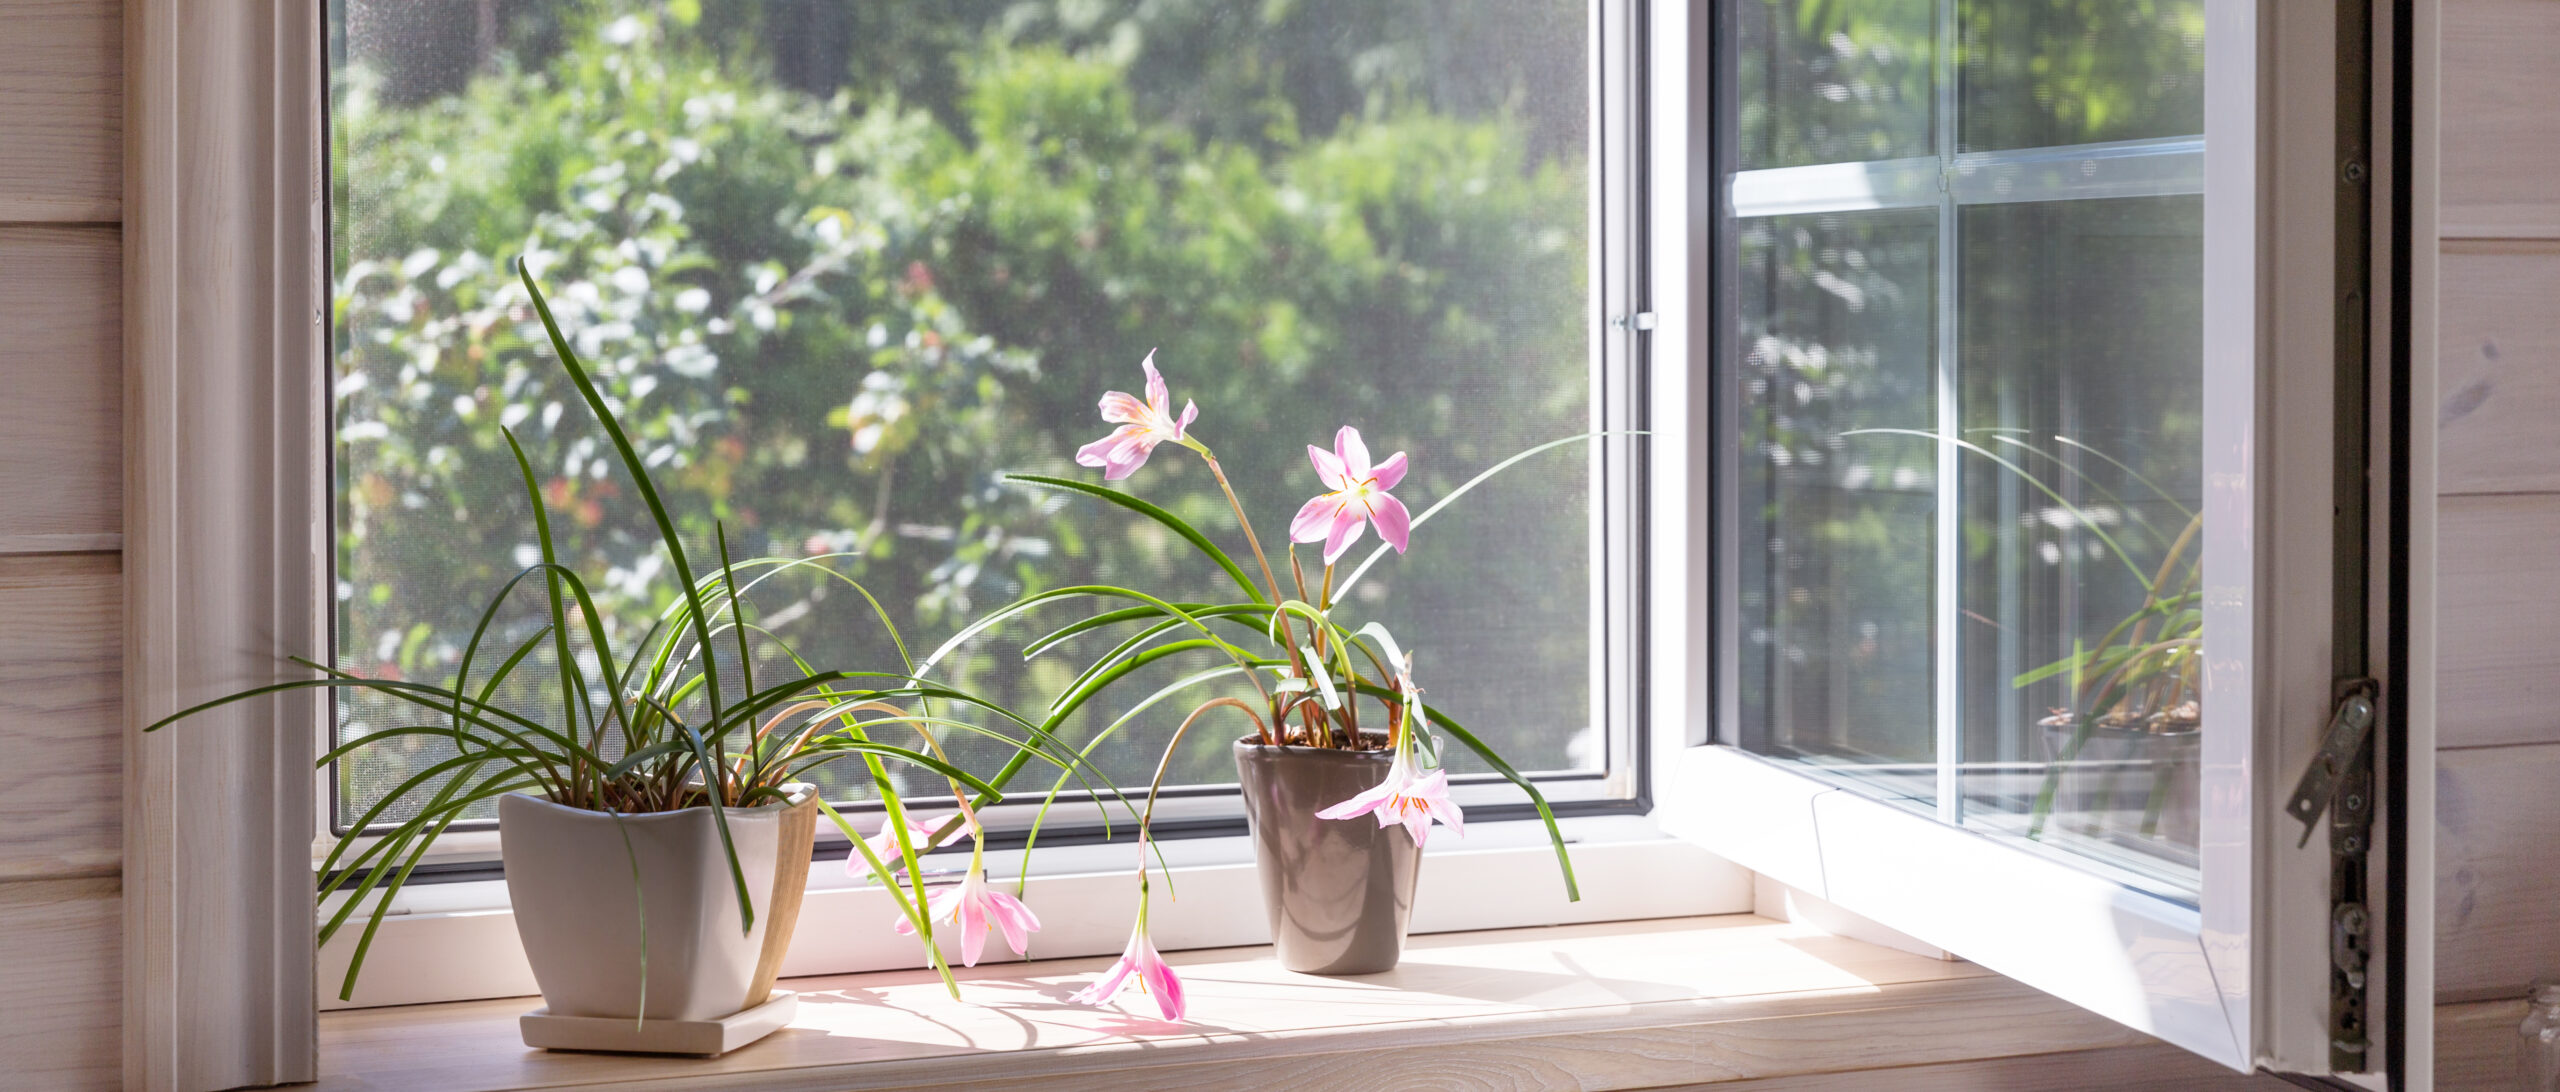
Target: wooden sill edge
1909,1011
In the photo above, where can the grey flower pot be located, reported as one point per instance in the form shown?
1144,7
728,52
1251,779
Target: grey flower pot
1339,891
570,876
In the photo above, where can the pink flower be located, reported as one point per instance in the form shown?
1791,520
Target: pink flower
1143,425
1153,974
1359,497
884,845
1405,798
974,904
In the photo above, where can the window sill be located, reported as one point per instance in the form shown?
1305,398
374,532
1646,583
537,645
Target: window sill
1625,1005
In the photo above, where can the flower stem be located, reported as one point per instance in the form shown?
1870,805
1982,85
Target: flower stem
1288,633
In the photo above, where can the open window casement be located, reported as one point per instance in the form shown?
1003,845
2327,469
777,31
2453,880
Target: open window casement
2027,503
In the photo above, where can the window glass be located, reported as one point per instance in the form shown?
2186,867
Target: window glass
843,264
1834,82
1836,546
1970,425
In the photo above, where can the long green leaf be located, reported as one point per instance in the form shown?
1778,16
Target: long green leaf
1172,522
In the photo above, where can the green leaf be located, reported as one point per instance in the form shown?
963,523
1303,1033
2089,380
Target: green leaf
1189,533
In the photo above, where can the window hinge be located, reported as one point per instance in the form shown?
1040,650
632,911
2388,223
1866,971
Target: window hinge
2350,724
1641,320
2339,784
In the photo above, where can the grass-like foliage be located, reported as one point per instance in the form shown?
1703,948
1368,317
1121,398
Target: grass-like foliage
678,720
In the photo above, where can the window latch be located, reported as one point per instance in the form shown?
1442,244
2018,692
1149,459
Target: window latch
1641,320
2350,724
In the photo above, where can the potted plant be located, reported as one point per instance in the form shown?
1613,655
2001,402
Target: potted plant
655,815
1315,764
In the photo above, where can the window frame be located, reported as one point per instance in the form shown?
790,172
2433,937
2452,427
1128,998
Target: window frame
448,934
2241,975
468,852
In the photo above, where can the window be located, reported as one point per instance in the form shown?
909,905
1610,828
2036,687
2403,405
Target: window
1965,356
1986,307
846,264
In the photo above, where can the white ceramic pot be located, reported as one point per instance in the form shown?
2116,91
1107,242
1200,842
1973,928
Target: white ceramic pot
570,877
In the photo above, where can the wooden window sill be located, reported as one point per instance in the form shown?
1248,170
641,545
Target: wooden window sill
1734,998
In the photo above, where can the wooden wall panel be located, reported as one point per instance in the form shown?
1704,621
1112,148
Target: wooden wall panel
61,110
2498,358
2497,885
2498,655
61,675
62,956
61,366
2476,1044
2501,135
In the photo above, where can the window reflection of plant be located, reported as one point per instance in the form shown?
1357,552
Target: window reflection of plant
2142,676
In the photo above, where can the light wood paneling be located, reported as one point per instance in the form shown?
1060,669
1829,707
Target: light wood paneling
60,951
2476,1044
2498,661
2501,136
61,381
2498,366
61,110
2497,890
1735,1001
61,670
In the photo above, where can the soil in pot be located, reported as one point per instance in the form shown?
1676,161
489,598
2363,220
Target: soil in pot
1339,892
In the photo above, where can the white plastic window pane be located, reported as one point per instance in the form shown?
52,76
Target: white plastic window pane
2014,645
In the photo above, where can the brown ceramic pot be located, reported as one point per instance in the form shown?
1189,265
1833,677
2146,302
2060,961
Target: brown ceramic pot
1339,891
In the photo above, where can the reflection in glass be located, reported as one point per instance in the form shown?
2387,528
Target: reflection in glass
842,264
2039,73
2019,554
1835,535
2082,478
1824,82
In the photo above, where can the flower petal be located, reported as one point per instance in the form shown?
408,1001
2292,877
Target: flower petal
1014,918
1158,399
1388,473
1355,453
1346,529
1182,424
1162,982
1122,407
1359,805
1395,524
1108,986
1098,453
1314,521
973,928
1329,468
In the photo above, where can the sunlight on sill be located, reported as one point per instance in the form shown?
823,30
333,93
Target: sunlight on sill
1455,997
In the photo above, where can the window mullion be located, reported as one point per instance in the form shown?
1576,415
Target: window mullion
1946,665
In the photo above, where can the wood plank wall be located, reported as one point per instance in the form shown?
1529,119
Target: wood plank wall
2498,705
61,505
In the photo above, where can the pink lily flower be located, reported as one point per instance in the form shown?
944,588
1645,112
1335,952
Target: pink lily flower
1141,962
1359,497
975,904
884,845
1143,425
1407,798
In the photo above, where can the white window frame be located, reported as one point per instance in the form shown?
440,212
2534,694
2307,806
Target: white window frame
455,941
2241,975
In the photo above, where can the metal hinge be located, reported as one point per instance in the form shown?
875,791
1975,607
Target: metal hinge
2350,726
2339,784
